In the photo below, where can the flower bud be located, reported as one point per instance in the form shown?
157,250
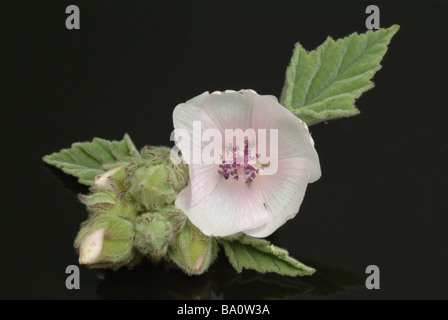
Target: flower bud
193,251
155,231
105,179
105,241
117,172
154,181
110,201
91,246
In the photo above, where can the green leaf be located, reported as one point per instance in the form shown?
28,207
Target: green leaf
323,84
260,255
85,160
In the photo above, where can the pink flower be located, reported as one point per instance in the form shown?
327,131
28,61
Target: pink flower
242,191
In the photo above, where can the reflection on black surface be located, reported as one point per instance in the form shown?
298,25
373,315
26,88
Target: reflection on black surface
149,281
69,182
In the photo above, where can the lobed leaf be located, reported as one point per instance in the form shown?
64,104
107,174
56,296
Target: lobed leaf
260,255
323,84
85,160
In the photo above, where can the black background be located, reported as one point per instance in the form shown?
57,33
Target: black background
382,198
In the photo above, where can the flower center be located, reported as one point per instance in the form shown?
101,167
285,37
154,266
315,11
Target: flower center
236,165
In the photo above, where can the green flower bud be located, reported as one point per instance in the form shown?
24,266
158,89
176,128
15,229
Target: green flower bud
110,201
106,180
117,175
105,241
155,231
193,251
154,181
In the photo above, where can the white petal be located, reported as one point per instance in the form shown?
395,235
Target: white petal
184,116
273,98
249,90
91,247
231,208
203,177
104,179
230,110
196,101
294,140
281,193
203,180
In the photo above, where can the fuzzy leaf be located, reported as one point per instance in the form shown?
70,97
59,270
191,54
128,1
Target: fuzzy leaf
85,160
260,255
323,84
